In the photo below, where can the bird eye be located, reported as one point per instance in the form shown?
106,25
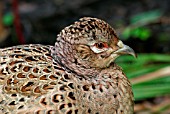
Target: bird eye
101,45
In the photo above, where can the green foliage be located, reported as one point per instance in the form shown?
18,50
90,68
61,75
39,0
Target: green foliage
8,19
145,63
142,33
137,28
146,17
153,88
142,66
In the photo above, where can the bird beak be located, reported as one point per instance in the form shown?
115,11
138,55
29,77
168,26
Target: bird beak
124,49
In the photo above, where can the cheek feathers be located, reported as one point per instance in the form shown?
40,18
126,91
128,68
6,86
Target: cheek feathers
83,51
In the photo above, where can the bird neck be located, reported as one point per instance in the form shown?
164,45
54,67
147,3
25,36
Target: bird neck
65,55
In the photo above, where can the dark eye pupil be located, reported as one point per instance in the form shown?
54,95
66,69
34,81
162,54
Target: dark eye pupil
100,45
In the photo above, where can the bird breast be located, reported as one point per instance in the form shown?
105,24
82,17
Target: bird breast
108,93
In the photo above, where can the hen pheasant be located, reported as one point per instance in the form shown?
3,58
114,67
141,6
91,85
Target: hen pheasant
75,76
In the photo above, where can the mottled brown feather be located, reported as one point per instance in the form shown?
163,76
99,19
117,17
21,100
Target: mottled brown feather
64,79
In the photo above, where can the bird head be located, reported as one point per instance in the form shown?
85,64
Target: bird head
92,42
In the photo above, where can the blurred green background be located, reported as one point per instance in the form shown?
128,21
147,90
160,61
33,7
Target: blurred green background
144,25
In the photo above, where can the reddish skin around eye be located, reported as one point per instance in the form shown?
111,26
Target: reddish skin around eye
101,45
105,45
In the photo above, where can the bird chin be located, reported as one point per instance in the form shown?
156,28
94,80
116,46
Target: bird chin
113,57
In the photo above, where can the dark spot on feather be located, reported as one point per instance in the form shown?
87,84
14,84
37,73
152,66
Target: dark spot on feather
2,72
13,69
35,70
32,76
12,63
71,85
93,86
89,110
13,95
114,96
46,70
63,80
43,102
20,75
53,77
46,87
58,73
75,61
69,112
71,95
47,54
20,107
38,51
94,35
20,56
101,90
82,26
9,81
12,103
66,76
29,84
22,100
44,77
30,59
69,105
7,88
63,88
76,111
85,88
54,99
15,81
3,63
37,90
51,112
17,51
55,67
26,68
62,106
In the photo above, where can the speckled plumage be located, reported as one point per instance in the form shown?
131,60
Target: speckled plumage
71,77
